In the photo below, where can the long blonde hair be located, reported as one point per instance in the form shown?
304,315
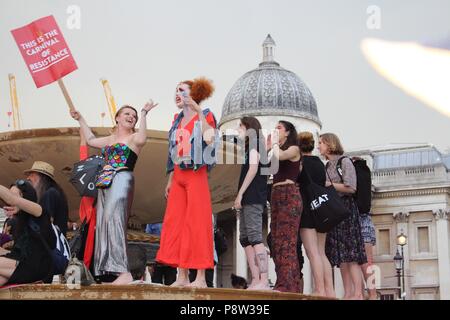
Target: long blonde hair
126,106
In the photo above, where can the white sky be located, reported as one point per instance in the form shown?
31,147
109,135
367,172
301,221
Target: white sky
144,48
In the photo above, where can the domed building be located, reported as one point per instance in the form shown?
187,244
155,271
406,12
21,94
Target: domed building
271,93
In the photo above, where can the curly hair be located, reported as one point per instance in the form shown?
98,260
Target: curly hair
201,88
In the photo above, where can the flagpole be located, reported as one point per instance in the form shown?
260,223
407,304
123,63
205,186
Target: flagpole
14,102
109,99
66,94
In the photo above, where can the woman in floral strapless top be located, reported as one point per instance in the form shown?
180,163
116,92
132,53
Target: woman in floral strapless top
120,150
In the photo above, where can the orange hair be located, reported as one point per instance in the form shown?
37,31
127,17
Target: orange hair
201,88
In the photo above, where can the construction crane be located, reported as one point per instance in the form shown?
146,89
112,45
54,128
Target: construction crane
109,99
17,123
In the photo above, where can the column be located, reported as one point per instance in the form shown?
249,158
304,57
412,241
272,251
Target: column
401,218
442,236
241,260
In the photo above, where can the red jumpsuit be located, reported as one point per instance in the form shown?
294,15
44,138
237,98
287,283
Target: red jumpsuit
187,232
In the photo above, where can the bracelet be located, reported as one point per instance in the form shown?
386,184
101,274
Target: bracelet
143,110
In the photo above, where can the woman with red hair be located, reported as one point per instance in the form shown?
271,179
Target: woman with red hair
187,232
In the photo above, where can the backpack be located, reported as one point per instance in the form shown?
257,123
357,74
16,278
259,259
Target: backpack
77,242
363,194
77,273
61,253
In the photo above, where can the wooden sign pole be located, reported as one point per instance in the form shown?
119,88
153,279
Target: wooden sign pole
66,95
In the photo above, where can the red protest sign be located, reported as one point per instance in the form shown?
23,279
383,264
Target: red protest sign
44,50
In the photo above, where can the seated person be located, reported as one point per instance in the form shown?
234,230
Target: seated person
238,282
6,239
153,229
163,274
30,257
137,261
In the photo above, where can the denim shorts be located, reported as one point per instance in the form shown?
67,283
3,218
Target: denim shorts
367,229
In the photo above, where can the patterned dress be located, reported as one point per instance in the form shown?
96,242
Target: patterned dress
345,242
113,210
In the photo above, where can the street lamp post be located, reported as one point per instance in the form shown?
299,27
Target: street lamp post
398,262
401,241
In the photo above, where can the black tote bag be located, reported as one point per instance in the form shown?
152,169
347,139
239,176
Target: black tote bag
327,207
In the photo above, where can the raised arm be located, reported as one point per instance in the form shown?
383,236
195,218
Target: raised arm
291,153
91,140
207,131
23,204
140,137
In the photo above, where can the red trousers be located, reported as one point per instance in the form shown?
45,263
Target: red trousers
187,231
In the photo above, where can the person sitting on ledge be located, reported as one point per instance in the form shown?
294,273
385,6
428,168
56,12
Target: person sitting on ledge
30,257
238,282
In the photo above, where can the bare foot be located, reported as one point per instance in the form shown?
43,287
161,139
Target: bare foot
123,278
357,297
318,294
261,286
197,284
180,283
373,297
330,294
252,285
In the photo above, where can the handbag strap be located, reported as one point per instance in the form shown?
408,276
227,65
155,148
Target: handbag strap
308,176
328,175
339,167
